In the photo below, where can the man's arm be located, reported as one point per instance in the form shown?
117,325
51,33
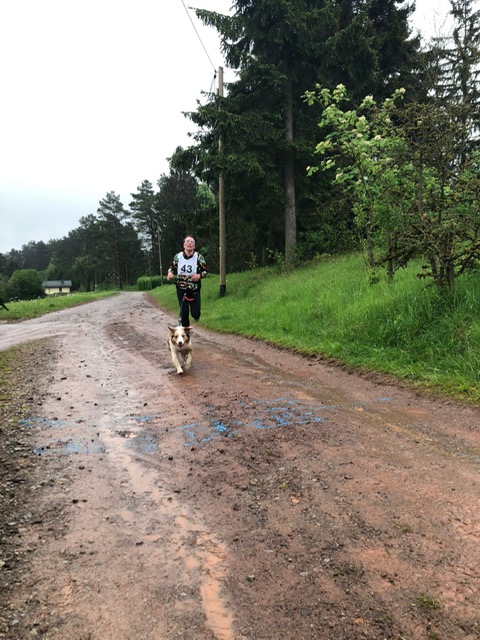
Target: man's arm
201,266
172,269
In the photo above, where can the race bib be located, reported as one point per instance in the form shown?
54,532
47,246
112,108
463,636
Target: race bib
187,267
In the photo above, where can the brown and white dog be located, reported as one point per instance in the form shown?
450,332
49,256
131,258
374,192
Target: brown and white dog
180,345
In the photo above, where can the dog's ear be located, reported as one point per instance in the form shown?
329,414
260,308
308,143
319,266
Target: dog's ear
171,329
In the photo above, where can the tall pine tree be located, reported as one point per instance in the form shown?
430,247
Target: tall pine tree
457,63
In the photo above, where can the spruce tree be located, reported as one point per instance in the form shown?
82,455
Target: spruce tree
457,62
280,49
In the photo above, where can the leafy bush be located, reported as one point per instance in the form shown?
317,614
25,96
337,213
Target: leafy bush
147,283
25,284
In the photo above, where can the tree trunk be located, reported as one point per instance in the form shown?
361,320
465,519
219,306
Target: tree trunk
390,268
369,238
289,175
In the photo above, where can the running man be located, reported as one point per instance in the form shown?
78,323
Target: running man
189,267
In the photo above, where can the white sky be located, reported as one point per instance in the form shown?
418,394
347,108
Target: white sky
91,100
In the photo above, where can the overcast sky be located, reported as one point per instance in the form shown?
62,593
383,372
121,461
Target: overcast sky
92,95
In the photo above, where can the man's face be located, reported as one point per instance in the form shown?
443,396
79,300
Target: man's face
189,245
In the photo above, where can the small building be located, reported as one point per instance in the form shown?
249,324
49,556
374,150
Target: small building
57,287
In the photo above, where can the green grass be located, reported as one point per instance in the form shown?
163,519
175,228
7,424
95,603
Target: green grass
25,309
426,602
414,332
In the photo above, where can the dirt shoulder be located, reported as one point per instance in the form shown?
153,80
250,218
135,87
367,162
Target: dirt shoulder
261,496
23,476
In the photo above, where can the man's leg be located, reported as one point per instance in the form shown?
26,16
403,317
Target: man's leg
185,322
195,305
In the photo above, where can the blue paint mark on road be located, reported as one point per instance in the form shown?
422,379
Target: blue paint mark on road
141,419
256,414
144,444
202,434
280,413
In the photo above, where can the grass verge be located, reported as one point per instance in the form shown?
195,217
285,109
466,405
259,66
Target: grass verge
24,309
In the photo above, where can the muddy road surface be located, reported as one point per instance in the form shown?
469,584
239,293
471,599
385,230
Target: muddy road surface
260,496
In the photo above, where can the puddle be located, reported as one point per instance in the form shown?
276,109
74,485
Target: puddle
70,447
43,422
141,442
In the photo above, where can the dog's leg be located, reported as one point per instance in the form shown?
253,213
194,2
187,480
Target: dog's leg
175,360
188,360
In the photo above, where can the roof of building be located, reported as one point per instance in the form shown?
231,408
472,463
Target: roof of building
48,284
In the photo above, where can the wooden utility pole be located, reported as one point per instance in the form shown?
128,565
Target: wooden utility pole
159,255
221,205
289,177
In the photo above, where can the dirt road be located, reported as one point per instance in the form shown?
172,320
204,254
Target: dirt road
261,496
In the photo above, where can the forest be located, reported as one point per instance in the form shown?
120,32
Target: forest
342,131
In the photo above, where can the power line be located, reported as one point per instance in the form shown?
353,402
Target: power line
198,35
